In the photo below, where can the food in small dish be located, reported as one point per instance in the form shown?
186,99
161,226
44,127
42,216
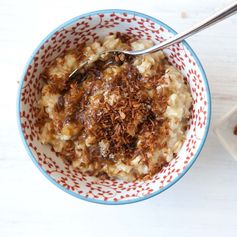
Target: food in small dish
120,117
235,130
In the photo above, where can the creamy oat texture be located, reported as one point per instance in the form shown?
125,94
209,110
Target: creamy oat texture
106,124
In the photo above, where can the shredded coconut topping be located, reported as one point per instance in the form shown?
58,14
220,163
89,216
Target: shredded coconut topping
119,116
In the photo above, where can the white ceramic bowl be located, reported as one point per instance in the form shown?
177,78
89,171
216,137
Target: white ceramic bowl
87,28
224,130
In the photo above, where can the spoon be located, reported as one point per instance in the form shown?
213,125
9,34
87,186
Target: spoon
211,20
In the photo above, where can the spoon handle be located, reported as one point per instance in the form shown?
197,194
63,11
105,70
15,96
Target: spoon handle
211,20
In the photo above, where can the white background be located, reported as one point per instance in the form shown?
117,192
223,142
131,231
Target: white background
203,203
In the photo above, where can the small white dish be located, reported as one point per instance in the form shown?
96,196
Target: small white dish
224,130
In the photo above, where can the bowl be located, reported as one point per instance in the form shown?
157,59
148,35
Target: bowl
88,28
224,130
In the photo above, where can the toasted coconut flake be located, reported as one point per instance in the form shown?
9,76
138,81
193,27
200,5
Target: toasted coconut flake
119,116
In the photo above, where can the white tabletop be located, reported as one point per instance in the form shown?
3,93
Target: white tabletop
203,203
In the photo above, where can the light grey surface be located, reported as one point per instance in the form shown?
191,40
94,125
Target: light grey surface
211,20
203,203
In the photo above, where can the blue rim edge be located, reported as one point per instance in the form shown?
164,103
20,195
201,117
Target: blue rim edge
69,22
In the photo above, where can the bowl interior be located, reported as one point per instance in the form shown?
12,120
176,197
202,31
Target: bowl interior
88,28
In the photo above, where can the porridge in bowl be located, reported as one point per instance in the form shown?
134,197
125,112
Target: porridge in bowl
121,117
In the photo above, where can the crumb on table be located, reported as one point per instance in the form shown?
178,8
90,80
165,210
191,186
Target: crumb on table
184,15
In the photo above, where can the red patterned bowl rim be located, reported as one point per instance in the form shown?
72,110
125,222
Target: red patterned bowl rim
72,21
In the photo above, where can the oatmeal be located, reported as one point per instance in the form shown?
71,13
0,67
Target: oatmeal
118,116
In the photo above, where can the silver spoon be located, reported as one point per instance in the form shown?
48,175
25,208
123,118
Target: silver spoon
211,20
